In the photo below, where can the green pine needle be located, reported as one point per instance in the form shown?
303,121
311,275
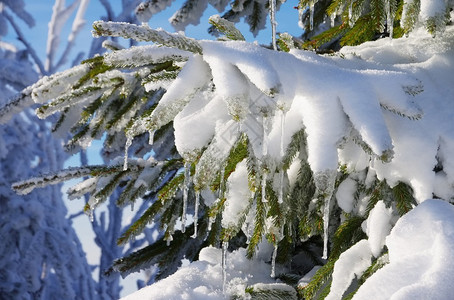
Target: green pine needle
226,27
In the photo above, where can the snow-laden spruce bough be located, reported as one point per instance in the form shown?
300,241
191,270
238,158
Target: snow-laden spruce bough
274,146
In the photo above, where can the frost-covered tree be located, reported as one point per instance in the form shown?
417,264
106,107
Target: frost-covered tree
17,72
42,257
258,152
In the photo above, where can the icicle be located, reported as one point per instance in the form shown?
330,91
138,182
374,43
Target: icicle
325,226
132,206
151,137
196,213
248,235
127,145
273,262
311,15
168,240
280,195
350,14
333,19
91,215
225,246
222,183
264,176
265,136
282,152
187,175
273,22
264,153
210,222
389,19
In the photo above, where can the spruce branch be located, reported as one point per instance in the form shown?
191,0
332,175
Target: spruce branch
87,94
147,34
318,282
346,235
147,55
403,197
102,194
137,227
17,104
326,37
259,225
277,291
285,42
96,66
169,190
26,186
255,18
226,27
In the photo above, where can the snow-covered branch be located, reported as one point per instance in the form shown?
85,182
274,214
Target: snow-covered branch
145,33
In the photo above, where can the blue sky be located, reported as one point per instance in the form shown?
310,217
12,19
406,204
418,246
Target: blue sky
41,10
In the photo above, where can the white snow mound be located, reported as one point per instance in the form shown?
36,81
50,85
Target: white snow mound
421,248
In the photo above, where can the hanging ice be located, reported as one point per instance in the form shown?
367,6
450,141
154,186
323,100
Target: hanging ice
280,195
196,213
324,183
187,176
325,226
264,176
273,262
264,153
265,135
91,215
168,240
127,145
282,152
222,183
273,22
333,18
151,137
210,222
389,18
281,173
311,14
225,246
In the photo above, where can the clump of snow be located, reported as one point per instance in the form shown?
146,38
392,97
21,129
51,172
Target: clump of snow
201,115
192,78
421,247
344,194
432,8
237,196
378,227
292,172
202,279
351,263
416,142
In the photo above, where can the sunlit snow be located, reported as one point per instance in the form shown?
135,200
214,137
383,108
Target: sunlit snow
397,96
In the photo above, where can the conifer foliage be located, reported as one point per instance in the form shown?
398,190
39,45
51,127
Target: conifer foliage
247,142
352,22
